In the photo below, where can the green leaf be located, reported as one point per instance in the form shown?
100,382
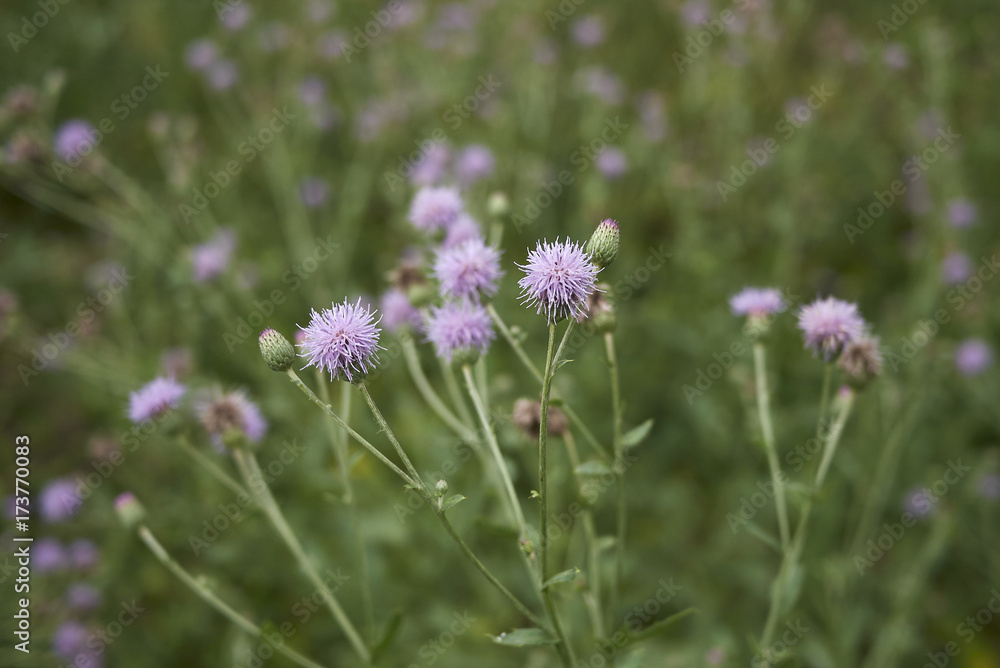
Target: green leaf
452,500
636,436
524,638
556,401
661,626
565,576
606,543
633,660
391,627
593,467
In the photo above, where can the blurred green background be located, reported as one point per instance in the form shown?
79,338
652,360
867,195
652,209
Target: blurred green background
834,99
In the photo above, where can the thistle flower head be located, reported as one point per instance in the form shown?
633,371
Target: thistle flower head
397,311
74,140
342,340
603,243
155,398
527,416
473,162
757,302
973,357
461,330
559,276
829,324
468,270
58,500
464,228
861,360
435,208
277,352
210,259
221,413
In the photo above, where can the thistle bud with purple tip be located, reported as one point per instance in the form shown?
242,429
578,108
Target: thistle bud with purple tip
603,244
129,510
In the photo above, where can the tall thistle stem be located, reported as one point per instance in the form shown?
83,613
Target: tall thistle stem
767,430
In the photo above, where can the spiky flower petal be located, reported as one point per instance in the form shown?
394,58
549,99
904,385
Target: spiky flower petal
434,208
830,324
559,276
155,398
342,340
468,270
757,302
460,329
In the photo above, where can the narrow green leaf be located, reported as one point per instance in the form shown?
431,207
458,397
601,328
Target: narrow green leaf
524,638
636,436
391,628
593,467
452,500
565,576
661,626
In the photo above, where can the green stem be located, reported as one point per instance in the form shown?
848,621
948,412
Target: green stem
431,397
617,415
212,468
258,484
456,393
384,426
355,435
338,439
491,440
209,597
767,429
590,538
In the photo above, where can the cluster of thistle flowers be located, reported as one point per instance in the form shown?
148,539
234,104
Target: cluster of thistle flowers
832,329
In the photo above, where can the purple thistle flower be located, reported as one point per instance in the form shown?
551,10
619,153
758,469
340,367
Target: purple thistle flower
601,82
48,555
430,168
235,16
222,74
588,31
459,327
559,276
989,487
200,53
757,302
919,502
896,56
962,213
210,259
612,163
695,12
312,91
463,229
434,208
473,163
397,311
314,192
343,340
973,357
468,269
829,324
219,412
83,554
83,596
74,140
58,500
318,11
155,398
70,639
956,267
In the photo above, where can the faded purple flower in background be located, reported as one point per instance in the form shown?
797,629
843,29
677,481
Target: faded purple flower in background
559,277
176,363
545,52
58,500
956,267
962,213
652,111
74,140
601,82
473,163
273,36
200,53
757,302
312,90
212,258
431,167
695,12
155,398
919,502
235,16
989,486
220,412
331,45
48,555
434,208
463,229
222,74
342,340
397,311
612,163
896,56
459,327
829,324
83,554
468,270
70,639
318,11
715,656
588,31
82,596
973,357
314,192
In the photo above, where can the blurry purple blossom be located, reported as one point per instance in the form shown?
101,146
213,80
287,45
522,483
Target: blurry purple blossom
973,357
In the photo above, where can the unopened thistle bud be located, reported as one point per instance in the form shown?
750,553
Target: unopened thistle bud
603,244
129,510
527,416
278,353
498,205
600,310
441,488
861,361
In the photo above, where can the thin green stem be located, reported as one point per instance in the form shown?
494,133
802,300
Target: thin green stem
338,439
593,600
211,467
384,426
617,415
355,435
767,429
255,479
491,441
431,397
456,393
209,597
